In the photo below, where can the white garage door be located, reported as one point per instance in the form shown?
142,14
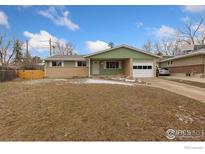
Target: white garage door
142,68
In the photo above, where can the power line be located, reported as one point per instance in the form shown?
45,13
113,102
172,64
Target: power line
50,46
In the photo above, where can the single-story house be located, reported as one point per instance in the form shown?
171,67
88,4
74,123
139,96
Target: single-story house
118,61
191,64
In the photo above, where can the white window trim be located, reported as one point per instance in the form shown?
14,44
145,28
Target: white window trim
120,64
62,63
105,63
76,64
50,63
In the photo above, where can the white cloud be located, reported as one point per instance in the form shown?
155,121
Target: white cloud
98,45
40,41
194,8
139,24
59,17
185,19
4,19
165,32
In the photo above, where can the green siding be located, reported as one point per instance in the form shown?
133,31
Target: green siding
122,53
110,71
47,64
69,63
66,63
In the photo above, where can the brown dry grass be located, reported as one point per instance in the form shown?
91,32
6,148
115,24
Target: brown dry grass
60,111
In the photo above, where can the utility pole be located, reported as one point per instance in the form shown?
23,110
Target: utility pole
50,46
26,47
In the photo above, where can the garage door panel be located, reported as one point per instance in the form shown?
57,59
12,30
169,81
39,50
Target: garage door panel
142,69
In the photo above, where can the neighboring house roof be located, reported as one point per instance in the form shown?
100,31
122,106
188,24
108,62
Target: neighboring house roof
196,53
166,57
122,46
66,57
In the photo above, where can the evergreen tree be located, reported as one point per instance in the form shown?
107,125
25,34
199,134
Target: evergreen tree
111,44
18,52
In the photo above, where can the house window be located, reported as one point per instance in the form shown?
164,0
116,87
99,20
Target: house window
139,67
134,67
112,64
143,67
171,62
81,63
56,63
149,67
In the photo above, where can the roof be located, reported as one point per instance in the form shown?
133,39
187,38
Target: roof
196,53
66,57
122,46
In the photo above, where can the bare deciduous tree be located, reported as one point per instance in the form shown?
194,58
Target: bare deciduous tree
167,47
193,33
6,51
63,48
148,46
163,47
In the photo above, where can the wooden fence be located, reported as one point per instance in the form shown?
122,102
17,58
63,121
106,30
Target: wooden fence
7,75
30,74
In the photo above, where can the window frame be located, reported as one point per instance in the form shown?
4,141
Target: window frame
57,63
109,63
149,67
142,67
83,64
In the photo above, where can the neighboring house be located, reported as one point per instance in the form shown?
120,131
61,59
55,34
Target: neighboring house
118,61
191,64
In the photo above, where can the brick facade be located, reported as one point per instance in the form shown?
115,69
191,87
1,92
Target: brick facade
187,69
66,72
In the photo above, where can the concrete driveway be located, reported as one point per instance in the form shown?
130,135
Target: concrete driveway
193,92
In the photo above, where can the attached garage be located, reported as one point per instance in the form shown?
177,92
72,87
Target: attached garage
143,68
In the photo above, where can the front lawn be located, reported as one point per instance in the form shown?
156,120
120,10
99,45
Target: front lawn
61,111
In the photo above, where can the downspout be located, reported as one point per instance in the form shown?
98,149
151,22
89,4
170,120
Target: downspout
89,67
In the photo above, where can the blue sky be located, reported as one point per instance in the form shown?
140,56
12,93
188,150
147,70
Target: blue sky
90,28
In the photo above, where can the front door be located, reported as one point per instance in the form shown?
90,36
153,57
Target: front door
95,67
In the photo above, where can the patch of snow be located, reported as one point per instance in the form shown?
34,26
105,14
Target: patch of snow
99,81
77,81
139,80
185,118
121,79
129,80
